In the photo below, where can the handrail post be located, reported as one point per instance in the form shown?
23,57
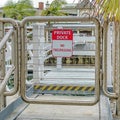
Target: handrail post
14,62
2,68
117,82
105,64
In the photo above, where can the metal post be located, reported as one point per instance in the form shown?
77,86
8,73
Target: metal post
59,63
38,52
59,59
114,65
2,68
109,56
117,82
15,63
105,39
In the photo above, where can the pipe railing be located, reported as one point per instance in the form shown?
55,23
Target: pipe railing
5,80
6,38
13,31
23,63
105,38
16,72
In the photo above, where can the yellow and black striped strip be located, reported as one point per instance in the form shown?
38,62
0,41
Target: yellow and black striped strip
63,88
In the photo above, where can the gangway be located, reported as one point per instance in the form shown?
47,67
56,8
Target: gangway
24,111
64,82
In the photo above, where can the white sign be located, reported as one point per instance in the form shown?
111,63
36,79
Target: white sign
62,43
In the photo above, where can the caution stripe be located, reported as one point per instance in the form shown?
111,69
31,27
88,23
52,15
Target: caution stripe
63,88
43,88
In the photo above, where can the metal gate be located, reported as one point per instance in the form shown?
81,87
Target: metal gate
9,64
71,74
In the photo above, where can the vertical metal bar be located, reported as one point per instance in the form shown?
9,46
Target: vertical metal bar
22,67
114,65
15,63
109,66
114,54
117,82
18,54
2,67
97,61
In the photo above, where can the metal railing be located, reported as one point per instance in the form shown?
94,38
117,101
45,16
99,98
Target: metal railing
105,63
5,39
16,63
23,60
14,33
5,80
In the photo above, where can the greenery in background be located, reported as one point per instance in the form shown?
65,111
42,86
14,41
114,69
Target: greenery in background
11,82
109,9
54,9
29,77
18,10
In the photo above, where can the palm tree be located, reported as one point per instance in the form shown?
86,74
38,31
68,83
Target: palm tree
18,10
54,9
109,9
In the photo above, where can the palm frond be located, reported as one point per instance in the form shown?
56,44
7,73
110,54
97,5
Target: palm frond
109,9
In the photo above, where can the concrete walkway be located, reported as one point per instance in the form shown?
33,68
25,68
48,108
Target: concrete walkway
63,112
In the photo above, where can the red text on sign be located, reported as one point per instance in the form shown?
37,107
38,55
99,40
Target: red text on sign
62,34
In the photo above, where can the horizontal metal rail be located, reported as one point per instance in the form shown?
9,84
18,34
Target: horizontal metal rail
58,19
5,38
97,57
4,82
9,20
